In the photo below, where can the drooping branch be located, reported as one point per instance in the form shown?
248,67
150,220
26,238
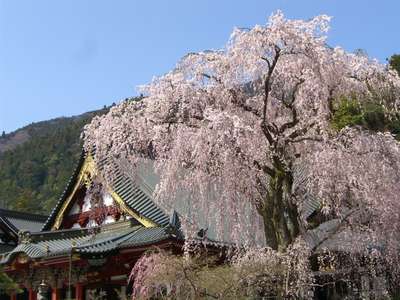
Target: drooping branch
266,128
264,168
291,105
241,103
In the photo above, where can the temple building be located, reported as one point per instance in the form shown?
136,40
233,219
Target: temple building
91,239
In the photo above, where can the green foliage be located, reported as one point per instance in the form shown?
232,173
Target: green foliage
394,62
34,173
374,117
7,285
348,113
370,115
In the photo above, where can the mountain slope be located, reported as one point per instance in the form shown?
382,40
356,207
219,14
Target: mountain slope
37,160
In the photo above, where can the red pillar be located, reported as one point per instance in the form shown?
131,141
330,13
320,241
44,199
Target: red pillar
79,291
55,294
32,294
13,296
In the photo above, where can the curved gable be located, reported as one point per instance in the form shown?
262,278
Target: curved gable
132,201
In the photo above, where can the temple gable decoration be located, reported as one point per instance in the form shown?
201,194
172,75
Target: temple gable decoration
87,203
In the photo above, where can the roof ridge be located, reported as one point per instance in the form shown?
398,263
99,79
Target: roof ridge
121,237
21,214
10,226
71,232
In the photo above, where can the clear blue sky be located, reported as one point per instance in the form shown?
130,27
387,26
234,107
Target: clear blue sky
65,57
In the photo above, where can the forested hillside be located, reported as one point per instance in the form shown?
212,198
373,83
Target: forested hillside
37,160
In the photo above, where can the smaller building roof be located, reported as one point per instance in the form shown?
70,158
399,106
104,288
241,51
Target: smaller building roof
92,241
13,222
22,221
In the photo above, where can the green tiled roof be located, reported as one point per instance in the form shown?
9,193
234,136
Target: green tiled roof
130,192
311,203
16,221
146,236
137,197
6,247
139,200
97,240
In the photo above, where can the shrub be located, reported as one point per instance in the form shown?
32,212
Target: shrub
347,113
371,116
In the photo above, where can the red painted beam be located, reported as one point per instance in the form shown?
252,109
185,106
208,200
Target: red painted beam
55,294
32,294
79,291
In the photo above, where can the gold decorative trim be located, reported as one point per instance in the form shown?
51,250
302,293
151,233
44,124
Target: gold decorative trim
85,174
142,220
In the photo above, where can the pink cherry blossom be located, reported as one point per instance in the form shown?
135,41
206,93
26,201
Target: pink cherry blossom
244,133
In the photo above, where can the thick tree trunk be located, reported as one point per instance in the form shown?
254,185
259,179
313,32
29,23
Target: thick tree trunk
279,213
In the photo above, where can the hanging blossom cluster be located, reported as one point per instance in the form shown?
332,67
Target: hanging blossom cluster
263,271
356,175
255,273
224,125
146,267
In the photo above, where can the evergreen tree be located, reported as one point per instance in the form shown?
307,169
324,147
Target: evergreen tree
394,62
